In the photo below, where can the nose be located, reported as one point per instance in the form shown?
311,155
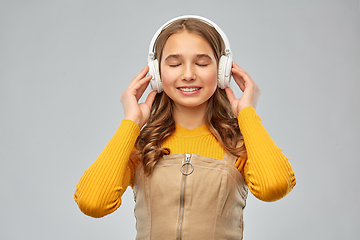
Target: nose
188,73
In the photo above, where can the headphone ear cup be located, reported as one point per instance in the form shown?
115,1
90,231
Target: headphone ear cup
155,82
157,76
221,72
224,71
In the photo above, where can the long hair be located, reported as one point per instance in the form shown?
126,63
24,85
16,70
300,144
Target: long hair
220,119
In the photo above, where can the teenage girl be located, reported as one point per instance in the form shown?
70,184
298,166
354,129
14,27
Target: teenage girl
192,150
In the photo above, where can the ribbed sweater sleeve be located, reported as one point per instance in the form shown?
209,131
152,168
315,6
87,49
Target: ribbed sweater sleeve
267,171
99,190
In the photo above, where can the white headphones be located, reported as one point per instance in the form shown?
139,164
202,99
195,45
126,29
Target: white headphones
225,63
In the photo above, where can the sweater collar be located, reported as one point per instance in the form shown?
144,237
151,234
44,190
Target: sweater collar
198,131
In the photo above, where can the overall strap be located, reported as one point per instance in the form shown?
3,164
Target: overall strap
231,158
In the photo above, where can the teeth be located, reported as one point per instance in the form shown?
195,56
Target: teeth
189,89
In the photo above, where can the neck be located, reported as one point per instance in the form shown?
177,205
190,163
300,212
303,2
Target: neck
190,117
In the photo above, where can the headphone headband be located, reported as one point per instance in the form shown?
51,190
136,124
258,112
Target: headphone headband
151,55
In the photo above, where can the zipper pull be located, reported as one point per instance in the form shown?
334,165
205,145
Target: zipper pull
186,165
188,156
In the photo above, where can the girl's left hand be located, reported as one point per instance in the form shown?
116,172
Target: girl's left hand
251,91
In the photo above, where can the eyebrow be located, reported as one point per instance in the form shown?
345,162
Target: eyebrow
203,56
177,56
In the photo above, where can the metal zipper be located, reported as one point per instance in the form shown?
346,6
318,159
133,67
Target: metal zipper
185,173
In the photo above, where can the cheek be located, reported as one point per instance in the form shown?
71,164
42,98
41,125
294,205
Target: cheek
166,77
212,77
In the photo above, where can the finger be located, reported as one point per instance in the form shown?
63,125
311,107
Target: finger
230,94
141,86
134,87
241,72
244,76
137,89
140,76
237,66
234,65
238,79
150,98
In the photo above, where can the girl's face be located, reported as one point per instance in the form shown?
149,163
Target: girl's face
188,70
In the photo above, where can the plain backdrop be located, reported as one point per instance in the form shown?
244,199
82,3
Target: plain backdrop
64,65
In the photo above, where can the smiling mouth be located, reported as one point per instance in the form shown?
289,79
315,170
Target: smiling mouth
189,89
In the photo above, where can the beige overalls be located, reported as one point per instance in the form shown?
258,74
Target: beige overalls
190,197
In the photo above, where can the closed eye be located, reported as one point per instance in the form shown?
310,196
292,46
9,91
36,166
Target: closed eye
174,65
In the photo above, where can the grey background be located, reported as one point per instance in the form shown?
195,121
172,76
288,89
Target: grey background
64,64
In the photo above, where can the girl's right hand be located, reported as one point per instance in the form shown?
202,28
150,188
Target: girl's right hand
138,112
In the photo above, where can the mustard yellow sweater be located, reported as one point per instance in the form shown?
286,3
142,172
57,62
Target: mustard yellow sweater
267,172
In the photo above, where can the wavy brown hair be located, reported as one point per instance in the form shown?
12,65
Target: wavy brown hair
220,119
